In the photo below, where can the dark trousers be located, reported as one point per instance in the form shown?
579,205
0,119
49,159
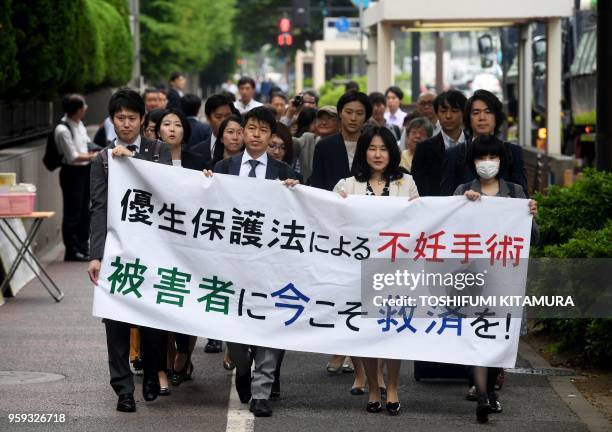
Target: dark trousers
118,344
74,181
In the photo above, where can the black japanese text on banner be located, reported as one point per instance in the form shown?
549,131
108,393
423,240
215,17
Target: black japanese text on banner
252,261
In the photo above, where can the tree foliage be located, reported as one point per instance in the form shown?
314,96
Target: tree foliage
9,71
183,35
63,45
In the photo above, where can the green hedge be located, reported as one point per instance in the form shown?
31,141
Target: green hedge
575,222
9,70
65,45
331,92
564,210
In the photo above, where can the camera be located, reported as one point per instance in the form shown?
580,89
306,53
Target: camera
297,100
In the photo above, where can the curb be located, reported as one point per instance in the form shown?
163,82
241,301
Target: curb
594,420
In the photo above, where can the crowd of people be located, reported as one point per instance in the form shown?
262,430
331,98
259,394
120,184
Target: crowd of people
365,144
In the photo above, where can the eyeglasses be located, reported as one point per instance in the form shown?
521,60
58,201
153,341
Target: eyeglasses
273,147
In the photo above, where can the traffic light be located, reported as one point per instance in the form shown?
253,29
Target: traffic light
284,36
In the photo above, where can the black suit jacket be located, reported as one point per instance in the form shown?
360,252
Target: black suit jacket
174,100
427,165
99,193
455,170
199,132
330,163
275,170
203,149
191,160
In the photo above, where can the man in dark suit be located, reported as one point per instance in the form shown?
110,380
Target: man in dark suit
260,124
482,115
175,92
217,108
333,156
199,131
429,154
126,110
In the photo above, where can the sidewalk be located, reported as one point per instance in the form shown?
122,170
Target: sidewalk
37,334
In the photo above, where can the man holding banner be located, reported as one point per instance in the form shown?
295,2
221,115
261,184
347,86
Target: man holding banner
259,126
126,110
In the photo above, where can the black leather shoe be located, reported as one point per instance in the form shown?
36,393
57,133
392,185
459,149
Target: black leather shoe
164,391
76,256
213,346
243,387
150,388
126,403
494,405
260,408
482,410
374,407
358,391
393,408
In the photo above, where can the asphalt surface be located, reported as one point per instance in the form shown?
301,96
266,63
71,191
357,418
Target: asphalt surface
37,334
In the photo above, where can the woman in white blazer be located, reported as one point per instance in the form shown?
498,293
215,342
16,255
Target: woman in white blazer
376,171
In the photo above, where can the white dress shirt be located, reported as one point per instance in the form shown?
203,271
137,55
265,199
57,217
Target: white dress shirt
213,141
109,129
71,143
449,142
260,170
248,107
136,143
397,118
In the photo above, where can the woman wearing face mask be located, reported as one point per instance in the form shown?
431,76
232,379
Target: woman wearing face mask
487,158
377,172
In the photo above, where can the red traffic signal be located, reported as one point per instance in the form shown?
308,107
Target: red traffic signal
285,39
284,25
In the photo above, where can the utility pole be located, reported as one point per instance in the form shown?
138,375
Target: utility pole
416,65
136,81
604,86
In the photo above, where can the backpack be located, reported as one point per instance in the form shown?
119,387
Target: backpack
104,155
53,158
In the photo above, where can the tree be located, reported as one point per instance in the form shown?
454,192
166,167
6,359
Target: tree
44,34
9,72
183,35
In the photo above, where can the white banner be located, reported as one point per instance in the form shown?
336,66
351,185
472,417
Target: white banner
252,261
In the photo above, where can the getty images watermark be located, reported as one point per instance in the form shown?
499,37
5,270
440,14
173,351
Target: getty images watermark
541,288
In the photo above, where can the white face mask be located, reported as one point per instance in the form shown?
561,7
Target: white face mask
487,169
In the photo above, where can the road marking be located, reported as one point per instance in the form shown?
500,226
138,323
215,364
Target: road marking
239,418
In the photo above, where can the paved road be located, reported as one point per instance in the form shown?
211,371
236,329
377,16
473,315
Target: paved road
38,335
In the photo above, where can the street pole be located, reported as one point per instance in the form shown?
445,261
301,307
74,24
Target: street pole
135,29
416,65
604,87
439,63
361,53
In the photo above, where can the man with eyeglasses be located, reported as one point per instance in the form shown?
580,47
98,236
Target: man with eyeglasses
327,124
425,108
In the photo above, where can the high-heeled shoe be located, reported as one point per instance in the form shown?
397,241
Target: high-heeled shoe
183,375
374,407
393,408
358,391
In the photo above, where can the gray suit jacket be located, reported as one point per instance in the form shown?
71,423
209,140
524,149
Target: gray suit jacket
99,193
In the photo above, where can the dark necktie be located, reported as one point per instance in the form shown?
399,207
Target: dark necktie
254,164
132,148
